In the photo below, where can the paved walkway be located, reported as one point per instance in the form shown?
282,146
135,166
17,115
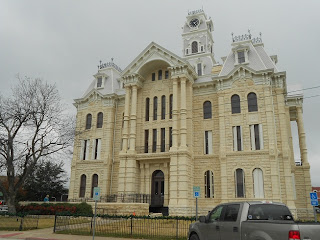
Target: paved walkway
47,234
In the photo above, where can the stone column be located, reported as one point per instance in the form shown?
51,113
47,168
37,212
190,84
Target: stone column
183,115
302,137
125,134
133,118
175,115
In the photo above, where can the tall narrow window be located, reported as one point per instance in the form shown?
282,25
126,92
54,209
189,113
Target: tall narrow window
252,102
208,142
256,137
94,183
194,46
258,183
163,139
241,57
207,110
85,149
154,140
146,141
239,179
99,82
199,68
208,184
147,108
99,120
83,182
170,136
163,107
170,106
97,149
237,138
235,104
166,74
88,121
160,75
153,76
155,108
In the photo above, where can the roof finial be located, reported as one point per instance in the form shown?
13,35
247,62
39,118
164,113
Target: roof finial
112,59
232,37
249,33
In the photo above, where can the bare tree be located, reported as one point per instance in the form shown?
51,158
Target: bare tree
33,126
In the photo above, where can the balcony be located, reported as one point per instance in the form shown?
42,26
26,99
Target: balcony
153,149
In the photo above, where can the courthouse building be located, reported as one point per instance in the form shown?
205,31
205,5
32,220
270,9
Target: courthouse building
167,123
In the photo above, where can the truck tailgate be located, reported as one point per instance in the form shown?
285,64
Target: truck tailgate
309,230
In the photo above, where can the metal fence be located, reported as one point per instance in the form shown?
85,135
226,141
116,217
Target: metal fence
124,198
16,223
134,227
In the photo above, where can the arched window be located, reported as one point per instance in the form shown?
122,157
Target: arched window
155,108
160,75
83,181
170,106
88,121
208,184
99,120
194,47
94,183
207,111
239,180
147,108
252,102
258,188
235,104
163,107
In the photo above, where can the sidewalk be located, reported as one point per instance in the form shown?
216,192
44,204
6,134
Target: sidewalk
47,234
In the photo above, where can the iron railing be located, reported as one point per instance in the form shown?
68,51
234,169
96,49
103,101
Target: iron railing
153,148
18,223
122,198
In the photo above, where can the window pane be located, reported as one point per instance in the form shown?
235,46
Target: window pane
163,139
166,74
147,108
269,212
163,107
240,183
153,76
239,144
83,186
215,214
231,213
256,136
199,68
206,142
155,108
194,47
252,102
235,104
170,106
241,57
88,121
99,82
207,113
100,120
159,74
154,140
146,141
170,136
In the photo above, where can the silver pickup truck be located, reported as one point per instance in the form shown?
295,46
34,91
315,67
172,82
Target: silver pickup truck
252,221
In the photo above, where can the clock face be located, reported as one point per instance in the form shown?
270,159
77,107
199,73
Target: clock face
194,22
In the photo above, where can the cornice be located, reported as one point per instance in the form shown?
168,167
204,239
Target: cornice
183,71
133,80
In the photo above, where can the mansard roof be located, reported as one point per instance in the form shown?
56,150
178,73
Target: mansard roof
258,59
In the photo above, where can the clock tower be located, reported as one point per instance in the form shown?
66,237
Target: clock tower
198,42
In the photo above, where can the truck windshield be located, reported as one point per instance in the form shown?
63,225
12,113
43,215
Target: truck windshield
269,212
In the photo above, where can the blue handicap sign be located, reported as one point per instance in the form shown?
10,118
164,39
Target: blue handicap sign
196,194
314,202
313,196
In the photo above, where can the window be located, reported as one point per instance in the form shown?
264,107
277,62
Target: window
155,108
241,57
170,106
166,74
208,184
160,75
258,183
88,121
83,181
215,214
199,69
99,120
256,136
94,183
231,213
208,142
269,212
163,139
147,108
237,138
146,141
252,102
85,150
163,107
154,140
207,113
170,136
235,104
153,76
194,46
239,179
97,149
99,82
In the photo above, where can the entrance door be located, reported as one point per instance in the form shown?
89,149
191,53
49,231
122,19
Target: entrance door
157,190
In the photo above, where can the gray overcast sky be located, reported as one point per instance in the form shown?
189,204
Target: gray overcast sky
62,41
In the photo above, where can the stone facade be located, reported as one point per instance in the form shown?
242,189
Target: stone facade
168,126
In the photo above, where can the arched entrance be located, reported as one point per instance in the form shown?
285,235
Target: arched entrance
157,189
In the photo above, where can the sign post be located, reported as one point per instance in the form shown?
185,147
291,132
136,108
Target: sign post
314,203
96,197
196,195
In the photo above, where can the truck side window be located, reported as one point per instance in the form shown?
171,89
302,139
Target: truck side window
231,213
215,214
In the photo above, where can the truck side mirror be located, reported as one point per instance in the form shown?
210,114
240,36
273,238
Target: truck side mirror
202,219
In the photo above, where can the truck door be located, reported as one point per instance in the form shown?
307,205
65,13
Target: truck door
229,223
211,229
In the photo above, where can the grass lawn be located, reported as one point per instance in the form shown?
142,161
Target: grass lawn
13,223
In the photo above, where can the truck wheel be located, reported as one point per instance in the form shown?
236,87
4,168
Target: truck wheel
194,237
